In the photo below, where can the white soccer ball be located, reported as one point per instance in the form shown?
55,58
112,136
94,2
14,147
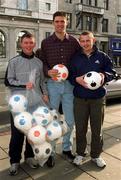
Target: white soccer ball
17,103
42,116
37,134
23,121
54,131
93,80
54,114
63,72
42,151
64,126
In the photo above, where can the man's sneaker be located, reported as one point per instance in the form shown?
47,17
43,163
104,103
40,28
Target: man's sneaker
78,160
14,169
51,161
68,155
32,163
99,162
86,152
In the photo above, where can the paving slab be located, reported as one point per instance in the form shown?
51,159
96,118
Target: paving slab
4,169
115,132
4,140
63,170
112,146
111,172
3,154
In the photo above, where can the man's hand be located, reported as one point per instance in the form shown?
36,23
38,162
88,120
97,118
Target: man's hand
29,85
53,73
80,80
103,77
45,98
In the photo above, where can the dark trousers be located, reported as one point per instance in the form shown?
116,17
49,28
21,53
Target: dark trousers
16,145
85,109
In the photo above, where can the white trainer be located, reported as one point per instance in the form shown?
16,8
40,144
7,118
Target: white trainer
78,160
99,162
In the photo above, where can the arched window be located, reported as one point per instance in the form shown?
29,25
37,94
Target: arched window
18,48
2,45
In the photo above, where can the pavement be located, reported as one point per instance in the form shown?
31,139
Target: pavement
63,169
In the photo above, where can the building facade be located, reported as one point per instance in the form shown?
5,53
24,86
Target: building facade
18,17
103,17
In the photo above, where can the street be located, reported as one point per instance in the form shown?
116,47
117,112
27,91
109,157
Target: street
64,169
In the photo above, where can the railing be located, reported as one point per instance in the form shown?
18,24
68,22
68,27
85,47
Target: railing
89,9
15,12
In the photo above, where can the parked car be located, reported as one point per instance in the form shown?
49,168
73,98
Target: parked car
113,89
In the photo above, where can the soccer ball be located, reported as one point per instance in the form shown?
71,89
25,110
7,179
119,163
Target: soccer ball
93,80
64,126
17,103
55,114
42,151
23,121
63,72
37,134
54,131
42,116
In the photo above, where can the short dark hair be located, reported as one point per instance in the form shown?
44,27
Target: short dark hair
26,35
59,13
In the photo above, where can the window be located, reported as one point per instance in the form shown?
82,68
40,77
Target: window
68,1
120,45
95,3
88,23
18,48
116,45
1,2
86,2
106,4
105,25
23,4
2,45
94,24
48,6
117,61
69,18
79,22
47,34
119,25
104,46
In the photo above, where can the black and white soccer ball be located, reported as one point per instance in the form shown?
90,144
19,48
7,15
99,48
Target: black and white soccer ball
93,80
42,151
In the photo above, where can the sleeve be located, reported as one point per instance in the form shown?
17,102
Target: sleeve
72,72
109,71
38,53
43,84
10,77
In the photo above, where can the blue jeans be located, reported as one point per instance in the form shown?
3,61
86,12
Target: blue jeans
63,92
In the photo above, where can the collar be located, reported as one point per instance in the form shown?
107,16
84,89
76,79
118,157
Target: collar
55,38
27,56
94,50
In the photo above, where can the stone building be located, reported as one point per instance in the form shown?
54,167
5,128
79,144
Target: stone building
103,17
19,16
